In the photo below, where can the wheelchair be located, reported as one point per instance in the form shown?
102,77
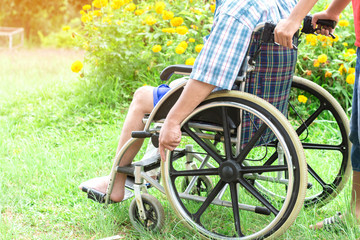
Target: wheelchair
249,158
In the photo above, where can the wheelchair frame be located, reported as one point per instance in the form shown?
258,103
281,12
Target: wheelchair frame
287,150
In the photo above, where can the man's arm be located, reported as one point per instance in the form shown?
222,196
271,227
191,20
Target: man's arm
170,134
286,29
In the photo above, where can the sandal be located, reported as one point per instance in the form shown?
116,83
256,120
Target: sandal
330,223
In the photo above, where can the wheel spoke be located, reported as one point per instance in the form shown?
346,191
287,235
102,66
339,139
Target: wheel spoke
235,207
321,146
310,120
208,201
197,172
201,143
258,196
227,135
241,157
261,169
316,177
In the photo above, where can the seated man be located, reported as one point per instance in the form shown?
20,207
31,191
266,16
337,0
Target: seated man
216,66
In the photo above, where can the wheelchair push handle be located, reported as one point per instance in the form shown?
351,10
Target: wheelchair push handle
268,32
309,29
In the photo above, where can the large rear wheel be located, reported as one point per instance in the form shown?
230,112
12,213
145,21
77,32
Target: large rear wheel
236,207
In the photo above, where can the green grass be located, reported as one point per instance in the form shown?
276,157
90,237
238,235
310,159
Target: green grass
57,130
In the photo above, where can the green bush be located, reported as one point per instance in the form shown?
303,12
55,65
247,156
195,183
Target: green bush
133,42
130,42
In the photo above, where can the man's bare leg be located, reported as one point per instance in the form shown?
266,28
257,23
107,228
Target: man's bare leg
141,104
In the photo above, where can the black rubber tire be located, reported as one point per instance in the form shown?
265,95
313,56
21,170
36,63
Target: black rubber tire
154,212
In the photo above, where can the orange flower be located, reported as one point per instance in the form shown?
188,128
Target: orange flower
328,74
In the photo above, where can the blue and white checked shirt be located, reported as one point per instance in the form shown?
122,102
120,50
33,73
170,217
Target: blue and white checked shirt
225,47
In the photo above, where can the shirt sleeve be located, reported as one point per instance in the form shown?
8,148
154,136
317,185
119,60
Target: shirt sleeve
220,60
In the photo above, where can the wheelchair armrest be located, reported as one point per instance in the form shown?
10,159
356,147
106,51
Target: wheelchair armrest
177,69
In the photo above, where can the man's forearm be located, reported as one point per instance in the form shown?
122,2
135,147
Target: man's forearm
302,8
337,6
194,93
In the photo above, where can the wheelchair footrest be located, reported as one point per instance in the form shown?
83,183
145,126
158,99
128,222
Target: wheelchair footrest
100,197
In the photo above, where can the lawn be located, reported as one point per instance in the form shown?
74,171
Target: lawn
57,131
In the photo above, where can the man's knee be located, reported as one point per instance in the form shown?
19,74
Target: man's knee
143,97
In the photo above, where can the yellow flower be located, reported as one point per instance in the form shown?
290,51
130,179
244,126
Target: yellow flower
86,18
116,4
351,70
316,63
118,22
182,30
343,23
183,44
328,74
66,28
82,12
345,44
86,7
351,51
350,79
190,61
199,47
97,13
176,21
168,30
194,27
310,37
76,66
322,58
167,15
159,7
336,39
100,3
342,69
180,50
302,99
191,39
150,20
156,48
212,8
130,7
139,12
169,43
322,38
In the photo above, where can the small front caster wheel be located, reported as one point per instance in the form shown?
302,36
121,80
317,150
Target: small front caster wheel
154,213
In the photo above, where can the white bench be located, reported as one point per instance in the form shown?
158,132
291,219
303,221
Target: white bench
14,35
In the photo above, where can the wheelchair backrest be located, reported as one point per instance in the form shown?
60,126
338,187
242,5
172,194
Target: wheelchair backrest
270,77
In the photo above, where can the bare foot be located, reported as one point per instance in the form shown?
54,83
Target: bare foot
101,183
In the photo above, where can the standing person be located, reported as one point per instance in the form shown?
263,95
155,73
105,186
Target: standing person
217,65
283,35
